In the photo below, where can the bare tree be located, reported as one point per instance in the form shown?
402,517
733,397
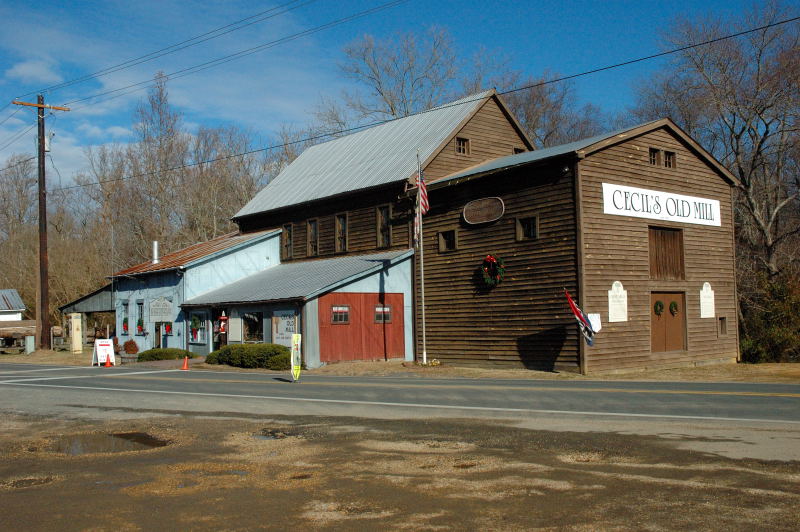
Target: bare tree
741,99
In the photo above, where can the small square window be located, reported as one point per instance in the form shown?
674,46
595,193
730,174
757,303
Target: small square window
340,314
383,314
462,146
448,240
655,157
528,228
669,159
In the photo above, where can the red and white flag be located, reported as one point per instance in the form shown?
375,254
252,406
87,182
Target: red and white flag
422,206
583,320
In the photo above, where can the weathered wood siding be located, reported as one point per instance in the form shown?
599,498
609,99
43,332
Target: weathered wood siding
615,248
362,230
524,320
491,135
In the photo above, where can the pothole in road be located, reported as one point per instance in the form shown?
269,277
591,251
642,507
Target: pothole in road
274,434
79,444
26,482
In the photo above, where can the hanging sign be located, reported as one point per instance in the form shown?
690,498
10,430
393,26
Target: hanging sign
103,350
484,210
296,358
160,310
643,203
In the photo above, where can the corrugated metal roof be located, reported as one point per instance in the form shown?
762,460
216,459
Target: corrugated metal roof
298,280
375,156
187,255
533,156
10,300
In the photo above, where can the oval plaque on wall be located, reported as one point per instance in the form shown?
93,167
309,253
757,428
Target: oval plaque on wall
483,210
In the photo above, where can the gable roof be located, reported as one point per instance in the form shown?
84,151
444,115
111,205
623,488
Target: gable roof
10,300
196,252
379,155
584,147
299,280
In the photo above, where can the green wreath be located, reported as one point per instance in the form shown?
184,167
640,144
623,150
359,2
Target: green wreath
673,308
658,308
493,270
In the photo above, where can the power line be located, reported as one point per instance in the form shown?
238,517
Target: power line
16,137
462,102
17,164
6,119
193,41
237,55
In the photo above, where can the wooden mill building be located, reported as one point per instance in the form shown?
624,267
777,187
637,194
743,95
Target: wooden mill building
636,224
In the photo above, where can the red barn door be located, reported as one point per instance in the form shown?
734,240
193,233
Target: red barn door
361,327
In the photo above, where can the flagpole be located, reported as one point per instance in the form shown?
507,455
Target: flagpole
421,241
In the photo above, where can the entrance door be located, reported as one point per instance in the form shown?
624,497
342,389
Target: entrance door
667,321
159,332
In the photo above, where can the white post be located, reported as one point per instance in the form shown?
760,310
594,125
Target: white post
421,265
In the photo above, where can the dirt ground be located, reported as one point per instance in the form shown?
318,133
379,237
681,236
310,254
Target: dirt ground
783,373
354,474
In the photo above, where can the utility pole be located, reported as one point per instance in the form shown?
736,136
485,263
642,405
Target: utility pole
43,301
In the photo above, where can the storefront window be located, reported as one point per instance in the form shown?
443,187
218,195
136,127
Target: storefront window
197,327
253,326
125,322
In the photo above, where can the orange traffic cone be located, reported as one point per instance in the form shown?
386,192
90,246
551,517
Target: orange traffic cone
185,364
108,362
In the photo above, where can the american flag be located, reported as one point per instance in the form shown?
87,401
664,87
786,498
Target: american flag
423,194
422,206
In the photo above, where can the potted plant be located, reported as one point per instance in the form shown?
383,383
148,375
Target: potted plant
139,326
195,325
124,325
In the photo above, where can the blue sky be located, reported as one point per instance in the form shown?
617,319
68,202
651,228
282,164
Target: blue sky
51,42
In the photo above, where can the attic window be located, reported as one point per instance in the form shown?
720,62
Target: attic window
655,157
462,146
669,159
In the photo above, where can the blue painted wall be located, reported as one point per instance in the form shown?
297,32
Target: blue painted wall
146,288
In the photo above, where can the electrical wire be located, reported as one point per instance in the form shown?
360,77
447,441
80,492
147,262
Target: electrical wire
16,137
6,119
461,102
237,55
17,164
193,41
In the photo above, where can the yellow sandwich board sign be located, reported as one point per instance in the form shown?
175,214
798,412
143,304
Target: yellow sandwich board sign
296,360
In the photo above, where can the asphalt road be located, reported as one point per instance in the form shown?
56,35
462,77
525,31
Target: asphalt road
476,398
744,419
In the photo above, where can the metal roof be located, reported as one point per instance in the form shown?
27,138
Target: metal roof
585,147
532,156
10,300
201,250
101,300
375,156
299,280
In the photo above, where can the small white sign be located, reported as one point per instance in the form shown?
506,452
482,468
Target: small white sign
594,321
103,350
617,303
657,205
283,327
707,309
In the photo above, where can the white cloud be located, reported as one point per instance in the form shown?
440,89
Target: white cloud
92,130
33,71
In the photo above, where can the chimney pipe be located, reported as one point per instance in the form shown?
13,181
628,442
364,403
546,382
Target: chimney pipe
155,252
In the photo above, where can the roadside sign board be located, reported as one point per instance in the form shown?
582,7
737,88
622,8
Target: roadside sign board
160,310
296,360
103,350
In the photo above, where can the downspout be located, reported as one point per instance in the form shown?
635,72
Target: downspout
576,179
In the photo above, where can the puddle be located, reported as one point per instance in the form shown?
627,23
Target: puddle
301,476
78,444
274,434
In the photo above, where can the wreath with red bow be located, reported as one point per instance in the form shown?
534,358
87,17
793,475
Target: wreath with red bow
493,270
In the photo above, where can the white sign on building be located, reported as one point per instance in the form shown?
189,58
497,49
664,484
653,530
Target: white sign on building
617,303
283,327
657,205
160,309
707,309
